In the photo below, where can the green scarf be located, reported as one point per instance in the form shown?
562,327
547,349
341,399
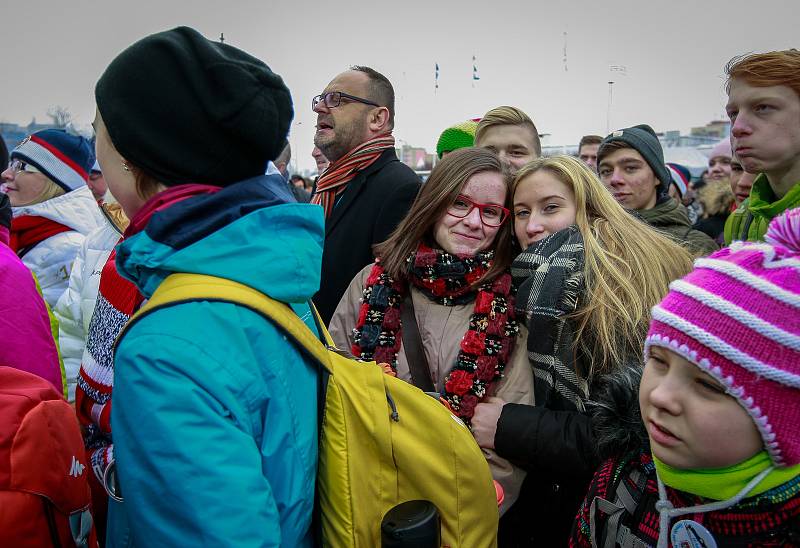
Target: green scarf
724,483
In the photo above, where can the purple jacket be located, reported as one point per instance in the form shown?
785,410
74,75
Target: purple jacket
26,341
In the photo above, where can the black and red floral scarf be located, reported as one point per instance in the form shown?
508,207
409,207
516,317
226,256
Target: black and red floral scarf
448,280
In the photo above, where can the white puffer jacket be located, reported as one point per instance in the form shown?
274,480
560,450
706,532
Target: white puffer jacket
76,305
51,259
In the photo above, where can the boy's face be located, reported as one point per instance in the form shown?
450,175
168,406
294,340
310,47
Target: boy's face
691,422
515,145
588,155
627,175
765,126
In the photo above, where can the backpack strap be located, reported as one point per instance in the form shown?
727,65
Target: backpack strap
185,288
746,227
415,352
628,493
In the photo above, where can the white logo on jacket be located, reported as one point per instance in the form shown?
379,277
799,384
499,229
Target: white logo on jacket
77,468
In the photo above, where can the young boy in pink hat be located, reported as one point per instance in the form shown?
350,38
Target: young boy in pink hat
720,401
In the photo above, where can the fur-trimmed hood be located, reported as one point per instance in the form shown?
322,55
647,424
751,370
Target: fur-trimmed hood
614,411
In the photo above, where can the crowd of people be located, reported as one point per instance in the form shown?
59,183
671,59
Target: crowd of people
621,339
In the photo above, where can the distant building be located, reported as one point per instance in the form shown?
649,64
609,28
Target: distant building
417,158
556,150
703,136
719,129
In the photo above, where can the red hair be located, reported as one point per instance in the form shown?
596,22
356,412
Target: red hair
774,68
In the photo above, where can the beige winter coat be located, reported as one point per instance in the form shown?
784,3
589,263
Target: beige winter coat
441,330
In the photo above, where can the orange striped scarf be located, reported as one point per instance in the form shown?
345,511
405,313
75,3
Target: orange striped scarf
333,180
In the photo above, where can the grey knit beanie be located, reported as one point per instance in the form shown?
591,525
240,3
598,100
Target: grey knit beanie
643,140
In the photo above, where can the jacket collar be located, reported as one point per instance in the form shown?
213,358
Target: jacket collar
356,186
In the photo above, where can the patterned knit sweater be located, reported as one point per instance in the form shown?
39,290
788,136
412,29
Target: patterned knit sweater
117,300
629,518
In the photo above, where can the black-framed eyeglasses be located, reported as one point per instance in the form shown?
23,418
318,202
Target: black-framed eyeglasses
332,99
491,214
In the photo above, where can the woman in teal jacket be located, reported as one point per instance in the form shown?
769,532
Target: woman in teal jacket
215,412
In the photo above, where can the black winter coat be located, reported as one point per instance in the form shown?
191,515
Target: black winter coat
375,201
556,448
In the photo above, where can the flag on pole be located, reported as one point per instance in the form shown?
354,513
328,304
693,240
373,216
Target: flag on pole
436,78
475,70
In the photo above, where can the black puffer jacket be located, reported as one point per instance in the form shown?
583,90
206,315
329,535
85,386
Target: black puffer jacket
560,449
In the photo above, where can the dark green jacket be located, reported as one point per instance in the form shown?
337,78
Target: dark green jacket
671,218
750,220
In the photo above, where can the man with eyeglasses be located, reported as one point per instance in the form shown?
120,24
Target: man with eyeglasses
365,190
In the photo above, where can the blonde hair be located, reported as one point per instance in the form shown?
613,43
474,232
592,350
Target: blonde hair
50,191
508,116
437,194
628,267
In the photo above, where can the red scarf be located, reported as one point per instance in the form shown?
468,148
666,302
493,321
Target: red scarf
163,200
333,180
488,340
29,230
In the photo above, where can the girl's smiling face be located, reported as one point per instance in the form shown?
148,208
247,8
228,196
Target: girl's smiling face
23,184
543,204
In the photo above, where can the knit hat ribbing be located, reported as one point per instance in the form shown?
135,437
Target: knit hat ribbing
680,176
458,136
64,158
737,317
185,109
642,139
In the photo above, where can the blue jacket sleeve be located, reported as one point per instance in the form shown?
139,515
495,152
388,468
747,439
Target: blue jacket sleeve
188,463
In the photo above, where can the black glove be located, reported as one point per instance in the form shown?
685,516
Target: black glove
5,211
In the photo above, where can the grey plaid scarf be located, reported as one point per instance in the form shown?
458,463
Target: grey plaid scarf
549,275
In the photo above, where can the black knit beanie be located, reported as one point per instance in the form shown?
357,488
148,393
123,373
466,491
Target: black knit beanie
185,109
643,139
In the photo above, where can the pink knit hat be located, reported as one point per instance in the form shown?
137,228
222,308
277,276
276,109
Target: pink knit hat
737,317
723,148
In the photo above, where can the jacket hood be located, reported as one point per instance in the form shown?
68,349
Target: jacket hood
77,210
252,232
667,213
763,202
614,411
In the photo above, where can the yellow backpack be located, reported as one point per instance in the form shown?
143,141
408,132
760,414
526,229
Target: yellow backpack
382,441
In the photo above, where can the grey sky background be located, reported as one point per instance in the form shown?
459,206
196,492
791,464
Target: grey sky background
674,53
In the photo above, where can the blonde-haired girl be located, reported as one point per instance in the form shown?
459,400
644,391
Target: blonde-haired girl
588,277
53,208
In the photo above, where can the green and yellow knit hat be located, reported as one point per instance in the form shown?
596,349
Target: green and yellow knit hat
458,136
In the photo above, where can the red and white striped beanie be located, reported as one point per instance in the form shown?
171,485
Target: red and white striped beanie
737,317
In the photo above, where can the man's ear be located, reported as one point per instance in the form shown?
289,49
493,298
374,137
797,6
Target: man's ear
379,120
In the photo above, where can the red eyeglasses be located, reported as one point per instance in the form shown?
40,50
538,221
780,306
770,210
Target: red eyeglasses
491,214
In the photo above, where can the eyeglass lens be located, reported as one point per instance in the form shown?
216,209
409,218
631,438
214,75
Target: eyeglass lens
490,215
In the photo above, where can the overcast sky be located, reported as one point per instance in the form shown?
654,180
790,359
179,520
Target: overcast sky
673,51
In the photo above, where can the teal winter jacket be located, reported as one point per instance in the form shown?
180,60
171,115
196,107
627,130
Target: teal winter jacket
215,412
